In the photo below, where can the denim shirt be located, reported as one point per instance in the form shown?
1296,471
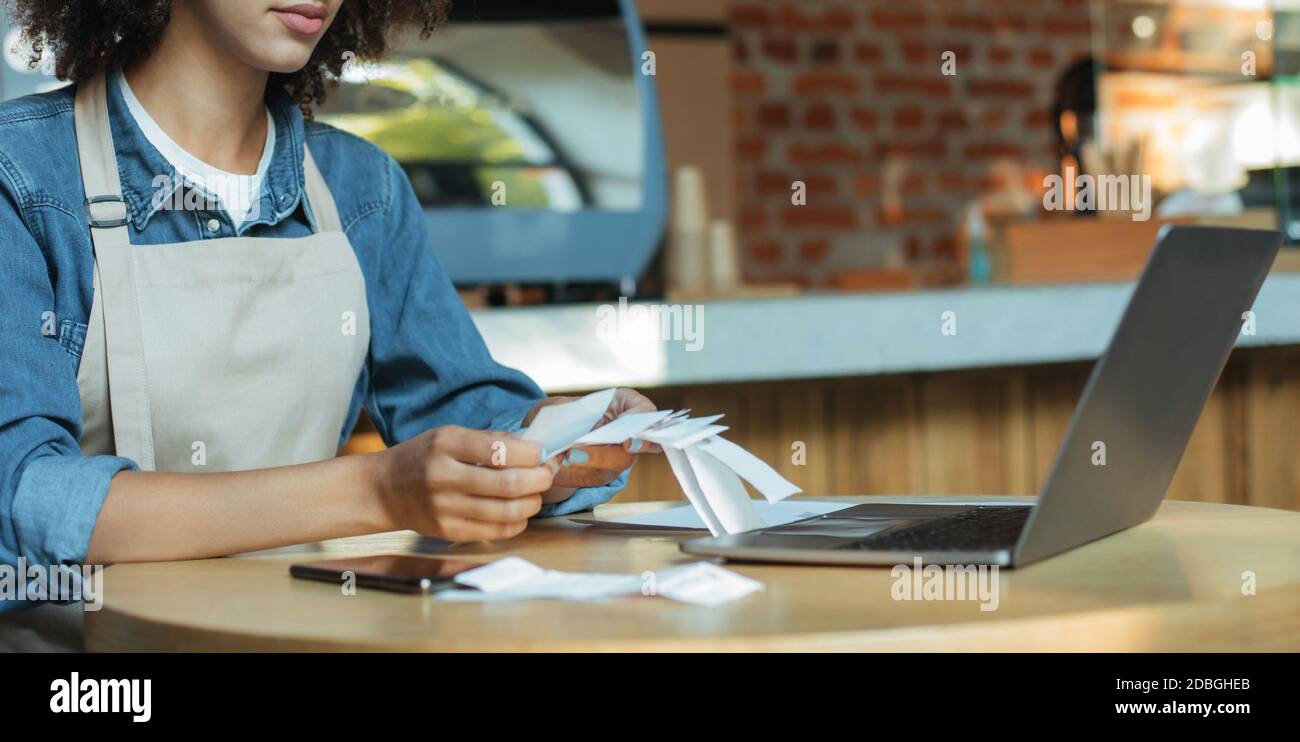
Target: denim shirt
427,365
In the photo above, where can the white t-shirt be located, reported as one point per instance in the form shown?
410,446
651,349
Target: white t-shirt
237,194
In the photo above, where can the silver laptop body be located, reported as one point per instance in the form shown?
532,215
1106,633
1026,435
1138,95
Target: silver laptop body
1142,401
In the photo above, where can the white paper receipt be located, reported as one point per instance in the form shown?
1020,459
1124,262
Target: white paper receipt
703,583
513,578
557,427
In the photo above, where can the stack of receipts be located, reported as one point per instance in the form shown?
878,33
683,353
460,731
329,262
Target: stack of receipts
708,467
513,578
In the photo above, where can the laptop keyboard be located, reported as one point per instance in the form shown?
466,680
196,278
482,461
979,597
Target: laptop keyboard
977,529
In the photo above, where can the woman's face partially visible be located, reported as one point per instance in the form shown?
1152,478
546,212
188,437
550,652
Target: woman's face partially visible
271,35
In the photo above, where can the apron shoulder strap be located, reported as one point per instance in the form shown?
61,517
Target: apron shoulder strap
104,205
106,213
319,197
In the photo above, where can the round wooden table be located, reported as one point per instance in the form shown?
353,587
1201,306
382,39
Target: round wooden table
1174,583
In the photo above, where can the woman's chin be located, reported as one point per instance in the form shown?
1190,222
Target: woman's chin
286,57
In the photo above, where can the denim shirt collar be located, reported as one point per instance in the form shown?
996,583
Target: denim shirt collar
148,179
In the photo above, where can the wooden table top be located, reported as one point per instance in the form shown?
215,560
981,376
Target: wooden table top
1174,583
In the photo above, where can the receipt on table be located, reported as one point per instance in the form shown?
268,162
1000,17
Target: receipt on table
703,583
513,578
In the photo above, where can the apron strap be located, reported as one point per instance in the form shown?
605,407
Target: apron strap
128,388
319,197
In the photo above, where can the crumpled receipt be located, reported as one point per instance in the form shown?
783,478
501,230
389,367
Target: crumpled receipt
513,578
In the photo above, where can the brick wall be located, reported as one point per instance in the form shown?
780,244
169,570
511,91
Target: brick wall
849,97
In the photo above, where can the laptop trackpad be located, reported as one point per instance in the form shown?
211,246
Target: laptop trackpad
830,526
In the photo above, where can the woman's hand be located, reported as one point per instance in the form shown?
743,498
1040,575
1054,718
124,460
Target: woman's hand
451,483
463,485
592,466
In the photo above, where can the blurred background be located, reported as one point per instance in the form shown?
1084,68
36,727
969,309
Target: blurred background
840,205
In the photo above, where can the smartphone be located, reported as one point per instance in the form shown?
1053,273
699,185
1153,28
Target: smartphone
394,572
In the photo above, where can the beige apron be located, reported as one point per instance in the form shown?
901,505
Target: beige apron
214,355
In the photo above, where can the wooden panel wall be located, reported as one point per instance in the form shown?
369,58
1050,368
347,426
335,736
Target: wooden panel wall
990,432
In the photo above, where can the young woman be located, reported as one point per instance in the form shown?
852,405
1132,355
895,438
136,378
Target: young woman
199,290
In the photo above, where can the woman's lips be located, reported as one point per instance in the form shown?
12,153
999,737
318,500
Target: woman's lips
299,22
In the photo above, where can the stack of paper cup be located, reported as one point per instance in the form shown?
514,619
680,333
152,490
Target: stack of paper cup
688,237
724,265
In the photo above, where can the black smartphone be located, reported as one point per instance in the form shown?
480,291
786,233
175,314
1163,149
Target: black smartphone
396,572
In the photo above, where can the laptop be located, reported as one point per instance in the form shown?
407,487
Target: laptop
1142,401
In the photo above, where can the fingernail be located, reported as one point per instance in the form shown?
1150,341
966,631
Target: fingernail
578,456
635,445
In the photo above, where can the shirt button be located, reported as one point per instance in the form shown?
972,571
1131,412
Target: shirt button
214,225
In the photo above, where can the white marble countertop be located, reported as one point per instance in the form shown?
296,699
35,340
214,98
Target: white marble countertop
589,346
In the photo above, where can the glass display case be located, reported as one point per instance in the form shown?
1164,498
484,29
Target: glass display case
531,136
477,127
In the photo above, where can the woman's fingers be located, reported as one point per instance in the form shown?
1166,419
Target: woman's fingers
456,528
591,466
627,401
464,485
609,458
576,477
638,446
634,401
485,485
486,447
498,510
517,481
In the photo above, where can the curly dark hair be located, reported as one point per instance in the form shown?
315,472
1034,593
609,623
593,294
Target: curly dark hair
88,36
